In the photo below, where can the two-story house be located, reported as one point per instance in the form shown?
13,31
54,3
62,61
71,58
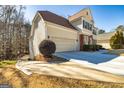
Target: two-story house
84,23
68,34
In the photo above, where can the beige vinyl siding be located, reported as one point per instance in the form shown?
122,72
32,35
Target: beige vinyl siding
86,39
64,38
104,39
105,45
38,35
78,24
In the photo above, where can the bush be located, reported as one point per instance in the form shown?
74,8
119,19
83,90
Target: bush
116,46
47,48
91,47
115,43
86,47
100,46
96,48
117,40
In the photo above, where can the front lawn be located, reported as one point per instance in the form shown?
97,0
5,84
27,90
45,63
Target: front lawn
16,78
7,63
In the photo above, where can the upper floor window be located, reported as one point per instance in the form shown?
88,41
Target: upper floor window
87,25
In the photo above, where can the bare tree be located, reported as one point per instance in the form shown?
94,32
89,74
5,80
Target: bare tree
13,31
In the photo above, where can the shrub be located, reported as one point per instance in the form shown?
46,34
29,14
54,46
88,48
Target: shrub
100,46
90,47
86,47
47,47
117,40
96,47
116,46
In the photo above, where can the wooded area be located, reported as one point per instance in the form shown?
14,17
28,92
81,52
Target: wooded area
14,32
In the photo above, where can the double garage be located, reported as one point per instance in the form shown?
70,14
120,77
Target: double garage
66,39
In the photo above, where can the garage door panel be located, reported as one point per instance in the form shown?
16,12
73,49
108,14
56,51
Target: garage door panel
64,38
54,32
65,44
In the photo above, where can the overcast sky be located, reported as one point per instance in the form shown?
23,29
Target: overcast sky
105,17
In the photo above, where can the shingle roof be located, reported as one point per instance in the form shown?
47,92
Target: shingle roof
51,17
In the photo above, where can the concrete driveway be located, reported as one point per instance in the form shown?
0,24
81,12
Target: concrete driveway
99,60
81,65
92,57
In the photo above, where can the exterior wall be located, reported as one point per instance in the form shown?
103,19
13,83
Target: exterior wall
31,49
38,34
84,23
95,37
78,24
103,39
95,31
90,32
86,32
86,39
65,39
105,45
82,13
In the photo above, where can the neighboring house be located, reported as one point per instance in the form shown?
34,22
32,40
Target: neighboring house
68,34
104,39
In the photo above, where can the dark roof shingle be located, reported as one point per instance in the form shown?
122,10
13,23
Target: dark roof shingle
51,17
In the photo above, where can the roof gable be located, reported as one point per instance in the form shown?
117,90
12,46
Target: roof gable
86,13
51,17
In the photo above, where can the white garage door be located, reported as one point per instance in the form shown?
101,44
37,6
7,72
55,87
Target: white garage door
63,44
64,38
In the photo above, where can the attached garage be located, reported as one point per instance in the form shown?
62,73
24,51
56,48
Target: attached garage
47,25
65,39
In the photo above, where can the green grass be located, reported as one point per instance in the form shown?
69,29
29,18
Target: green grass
7,63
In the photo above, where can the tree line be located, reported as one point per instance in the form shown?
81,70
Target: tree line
14,32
